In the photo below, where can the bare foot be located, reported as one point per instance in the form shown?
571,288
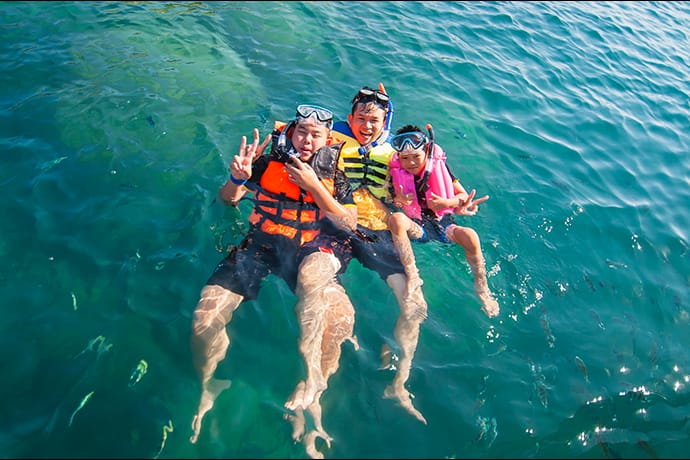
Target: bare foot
489,303
298,423
404,397
209,393
310,442
304,394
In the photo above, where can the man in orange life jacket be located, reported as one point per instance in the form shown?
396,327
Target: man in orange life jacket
296,185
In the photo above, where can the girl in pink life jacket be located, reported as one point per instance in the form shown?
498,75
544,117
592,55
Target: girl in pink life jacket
426,198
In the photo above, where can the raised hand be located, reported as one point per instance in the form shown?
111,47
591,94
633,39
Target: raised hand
301,174
468,207
402,199
241,166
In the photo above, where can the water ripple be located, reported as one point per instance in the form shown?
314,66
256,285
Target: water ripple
118,122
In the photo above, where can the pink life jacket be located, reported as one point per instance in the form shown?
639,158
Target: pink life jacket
440,182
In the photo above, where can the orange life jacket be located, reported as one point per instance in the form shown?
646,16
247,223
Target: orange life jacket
282,207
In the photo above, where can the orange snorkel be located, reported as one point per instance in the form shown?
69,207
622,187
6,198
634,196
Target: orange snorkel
432,139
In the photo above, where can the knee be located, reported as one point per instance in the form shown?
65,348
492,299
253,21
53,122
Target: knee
339,311
396,222
201,318
316,270
204,323
464,236
397,282
214,309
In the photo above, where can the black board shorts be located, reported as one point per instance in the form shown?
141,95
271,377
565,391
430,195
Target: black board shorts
258,255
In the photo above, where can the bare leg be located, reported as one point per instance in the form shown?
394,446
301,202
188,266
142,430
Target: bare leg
210,342
481,286
413,312
339,327
469,240
339,320
318,431
326,318
310,444
402,229
315,279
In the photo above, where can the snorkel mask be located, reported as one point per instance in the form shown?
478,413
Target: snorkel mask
415,139
320,116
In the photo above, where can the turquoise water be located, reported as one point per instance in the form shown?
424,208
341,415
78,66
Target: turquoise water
117,125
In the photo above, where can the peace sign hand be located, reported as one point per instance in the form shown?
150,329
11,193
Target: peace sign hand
469,206
241,166
402,199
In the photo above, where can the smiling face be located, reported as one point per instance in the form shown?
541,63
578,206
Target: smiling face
413,160
367,121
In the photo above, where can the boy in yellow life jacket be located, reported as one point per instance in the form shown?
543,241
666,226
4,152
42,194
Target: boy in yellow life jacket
296,186
365,157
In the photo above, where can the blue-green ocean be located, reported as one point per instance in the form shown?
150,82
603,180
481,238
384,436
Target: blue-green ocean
118,121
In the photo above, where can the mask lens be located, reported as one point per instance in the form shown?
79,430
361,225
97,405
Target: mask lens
305,111
323,115
368,94
382,97
415,139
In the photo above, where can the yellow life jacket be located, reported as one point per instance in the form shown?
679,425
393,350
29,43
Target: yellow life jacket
369,170
368,174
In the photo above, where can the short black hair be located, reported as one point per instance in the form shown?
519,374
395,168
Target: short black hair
409,129
365,100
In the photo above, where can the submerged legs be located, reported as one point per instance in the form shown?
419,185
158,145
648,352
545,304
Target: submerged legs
469,240
210,342
413,311
326,318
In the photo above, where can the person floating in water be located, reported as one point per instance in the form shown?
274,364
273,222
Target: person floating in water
296,185
427,197
364,159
